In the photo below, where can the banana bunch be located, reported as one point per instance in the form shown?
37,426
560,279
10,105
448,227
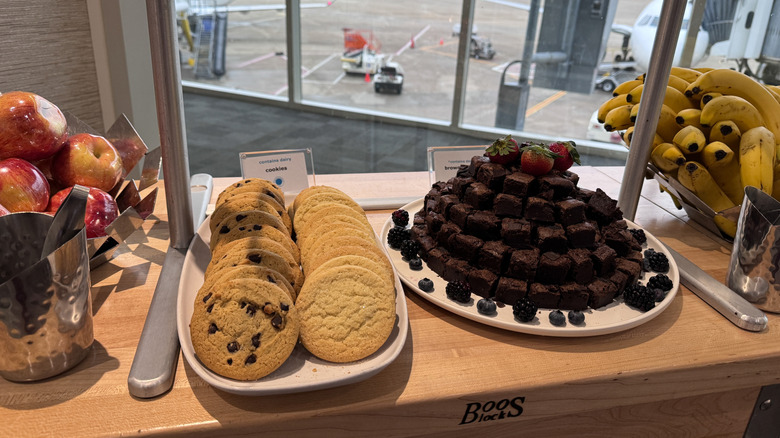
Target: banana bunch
718,132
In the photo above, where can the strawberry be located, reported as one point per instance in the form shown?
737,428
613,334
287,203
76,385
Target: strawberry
537,160
503,150
568,154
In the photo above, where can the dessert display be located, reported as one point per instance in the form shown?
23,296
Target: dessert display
255,303
717,133
521,233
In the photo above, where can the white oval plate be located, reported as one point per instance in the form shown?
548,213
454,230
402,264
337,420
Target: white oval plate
302,371
614,317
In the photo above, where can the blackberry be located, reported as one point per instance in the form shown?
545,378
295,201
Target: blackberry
658,294
396,236
660,281
459,291
524,309
640,297
576,317
639,235
409,249
415,264
425,285
557,318
400,218
655,261
486,306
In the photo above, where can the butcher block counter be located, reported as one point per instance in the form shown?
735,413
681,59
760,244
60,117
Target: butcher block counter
687,372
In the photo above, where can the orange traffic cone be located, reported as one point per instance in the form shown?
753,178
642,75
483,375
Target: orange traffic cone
411,46
441,42
368,77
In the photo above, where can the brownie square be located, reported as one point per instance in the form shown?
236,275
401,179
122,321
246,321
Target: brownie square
434,221
445,232
459,186
581,235
544,295
482,282
455,270
444,203
553,268
509,290
602,292
571,176
516,232
561,187
437,260
635,256
620,240
520,184
603,259
551,238
476,162
479,196
620,280
463,171
417,232
581,266
508,205
494,255
459,214
630,267
570,211
583,195
538,209
601,207
522,264
426,244
573,297
464,246
492,175
419,218
484,224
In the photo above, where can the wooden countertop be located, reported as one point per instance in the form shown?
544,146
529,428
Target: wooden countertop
688,371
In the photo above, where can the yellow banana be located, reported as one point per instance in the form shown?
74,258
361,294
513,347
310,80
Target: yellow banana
703,69
605,107
677,83
726,132
628,135
687,74
774,92
707,97
733,82
625,87
634,113
673,98
667,157
675,199
667,125
720,161
691,116
757,159
618,118
733,108
690,140
697,179
776,183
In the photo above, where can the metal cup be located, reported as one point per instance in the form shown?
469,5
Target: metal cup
45,302
754,271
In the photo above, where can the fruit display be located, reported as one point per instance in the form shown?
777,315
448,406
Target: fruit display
42,157
718,132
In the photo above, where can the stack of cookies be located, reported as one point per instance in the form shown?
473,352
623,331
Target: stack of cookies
347,303
244,324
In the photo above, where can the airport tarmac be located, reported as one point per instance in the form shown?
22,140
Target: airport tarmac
418,35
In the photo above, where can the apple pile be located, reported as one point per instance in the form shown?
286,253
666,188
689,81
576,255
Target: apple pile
37,155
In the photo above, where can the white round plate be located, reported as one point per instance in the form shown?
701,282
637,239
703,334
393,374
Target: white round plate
614,317
302,371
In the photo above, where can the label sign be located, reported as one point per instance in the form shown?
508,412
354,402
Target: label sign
287,169
443,161
492,410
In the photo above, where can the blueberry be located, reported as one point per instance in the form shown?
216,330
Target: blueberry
557,318
659,294
425,285
486,306
576,317
415,264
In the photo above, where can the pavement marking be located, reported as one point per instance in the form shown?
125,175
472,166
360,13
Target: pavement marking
258,59
339,78
409,43
541,105
307,72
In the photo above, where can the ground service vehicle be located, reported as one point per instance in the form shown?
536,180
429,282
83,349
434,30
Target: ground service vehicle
389,78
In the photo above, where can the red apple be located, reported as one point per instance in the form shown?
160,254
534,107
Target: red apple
31,127
101,210
88,160
22,186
